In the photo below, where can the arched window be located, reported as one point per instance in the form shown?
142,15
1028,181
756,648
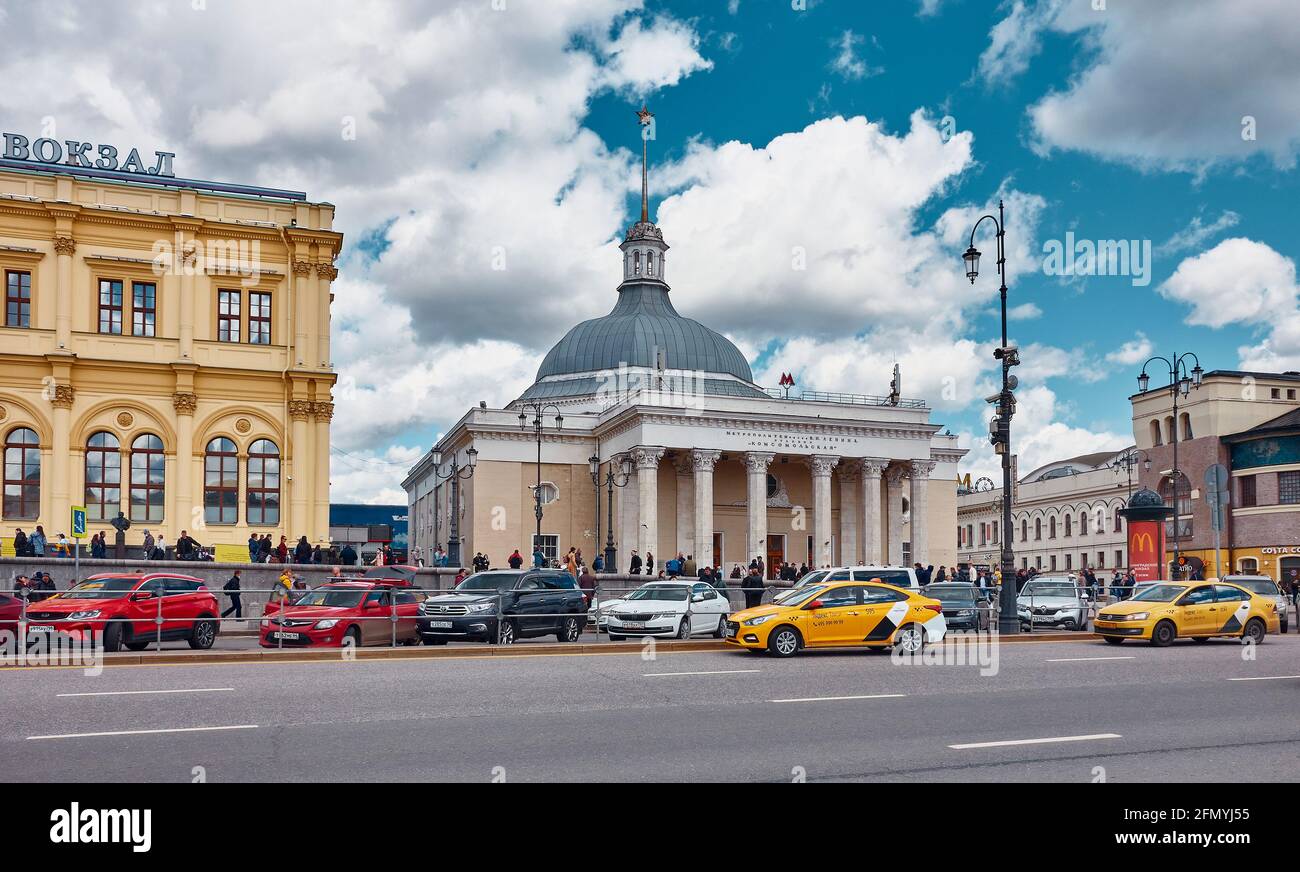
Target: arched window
22,474
221,482
1051,528
264,483
1083,523
649,263
1119,520
103,477
636,263
1170,435
1038,528
1069,525
1187,426
148,464
1248,566
1024,531
1155,433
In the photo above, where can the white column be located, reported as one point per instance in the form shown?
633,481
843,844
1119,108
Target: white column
894,513
756,463
647,480
684,467
872,469
629,519
822,464
703,462
920,475
849,504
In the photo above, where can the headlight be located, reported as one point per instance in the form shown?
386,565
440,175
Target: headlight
84,616
1137,616
662,615
482,607
265,622
761,619
327,625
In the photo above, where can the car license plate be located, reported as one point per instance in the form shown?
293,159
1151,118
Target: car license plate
39,628
440,625
286,636
633,625
1044,619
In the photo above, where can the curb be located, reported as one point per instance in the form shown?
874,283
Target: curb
425,652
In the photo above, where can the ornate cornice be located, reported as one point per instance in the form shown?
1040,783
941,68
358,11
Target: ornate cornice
302,267
923,468
873,467
323,411
65,245
64,396
185,403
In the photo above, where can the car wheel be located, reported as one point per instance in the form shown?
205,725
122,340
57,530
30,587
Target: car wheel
352,638
203,635
721,631
570,630
1113,640
784,642
1255,631
137,646
684,628
113,634
506,635
910,638
1164,634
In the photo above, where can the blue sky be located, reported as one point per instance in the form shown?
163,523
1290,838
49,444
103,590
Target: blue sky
494,167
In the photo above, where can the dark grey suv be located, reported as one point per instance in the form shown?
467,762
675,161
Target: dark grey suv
502,605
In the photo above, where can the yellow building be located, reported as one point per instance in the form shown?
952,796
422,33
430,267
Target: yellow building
164,353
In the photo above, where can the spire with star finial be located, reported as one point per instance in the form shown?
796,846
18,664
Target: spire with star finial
643,245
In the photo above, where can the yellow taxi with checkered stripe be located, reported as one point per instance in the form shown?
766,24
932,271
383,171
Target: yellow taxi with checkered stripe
1162,612
839,614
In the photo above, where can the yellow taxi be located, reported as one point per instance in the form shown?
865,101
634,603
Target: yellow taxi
839,614
1165,611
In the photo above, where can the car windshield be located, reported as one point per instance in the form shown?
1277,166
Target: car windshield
950,593
1261,586
490,581
662,592
1158,593
103,588
1052,588
331,598
812,577
803,594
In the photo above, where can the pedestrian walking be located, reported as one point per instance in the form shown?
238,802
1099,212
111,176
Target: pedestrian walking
37,542
634,567
753,588
232,590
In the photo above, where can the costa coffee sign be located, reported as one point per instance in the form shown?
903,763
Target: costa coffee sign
85,155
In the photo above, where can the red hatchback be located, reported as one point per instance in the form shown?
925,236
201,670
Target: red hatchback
126,609
333,614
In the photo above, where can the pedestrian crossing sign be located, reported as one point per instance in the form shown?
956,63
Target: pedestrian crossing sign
78,522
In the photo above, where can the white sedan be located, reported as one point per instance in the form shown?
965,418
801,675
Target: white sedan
673,608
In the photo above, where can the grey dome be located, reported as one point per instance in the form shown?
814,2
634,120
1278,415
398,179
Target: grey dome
644,319
1146,499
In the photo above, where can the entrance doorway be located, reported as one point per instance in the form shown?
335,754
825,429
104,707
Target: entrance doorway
1290,567
717,549
775,553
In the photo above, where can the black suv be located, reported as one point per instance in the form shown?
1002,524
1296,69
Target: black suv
502,605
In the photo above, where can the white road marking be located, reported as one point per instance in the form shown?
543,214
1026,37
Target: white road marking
1265,678
1010,742
837,698
716,672
147,692
1085,659
143,732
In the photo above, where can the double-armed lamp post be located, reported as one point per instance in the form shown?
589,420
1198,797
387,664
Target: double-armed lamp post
611,480
1000,427
1181,383
539,426
456,475
1128,461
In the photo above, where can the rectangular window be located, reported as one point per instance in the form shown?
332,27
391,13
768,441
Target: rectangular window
18,299
1101,559
550,544
1119,558
228,316
1246,491
259,318
1069,561
144,308
110,306
1288,488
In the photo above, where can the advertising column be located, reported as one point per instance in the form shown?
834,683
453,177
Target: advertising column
1145,517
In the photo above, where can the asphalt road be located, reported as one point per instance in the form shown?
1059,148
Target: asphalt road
1068,711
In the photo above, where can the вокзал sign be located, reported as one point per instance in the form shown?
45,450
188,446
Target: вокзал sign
85,155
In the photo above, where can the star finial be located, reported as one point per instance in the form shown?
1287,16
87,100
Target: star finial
644,115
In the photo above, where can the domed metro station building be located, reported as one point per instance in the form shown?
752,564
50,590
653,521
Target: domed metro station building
664,413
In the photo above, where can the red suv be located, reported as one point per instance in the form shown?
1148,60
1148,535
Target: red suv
125,609
361,611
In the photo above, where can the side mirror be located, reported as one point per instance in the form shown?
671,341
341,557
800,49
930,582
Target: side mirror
815,604
141,595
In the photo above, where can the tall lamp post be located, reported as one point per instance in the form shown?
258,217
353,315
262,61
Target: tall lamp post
1181,383
611,480
539,426
456,475
1128,461
1000,426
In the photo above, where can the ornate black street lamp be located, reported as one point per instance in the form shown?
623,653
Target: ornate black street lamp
456,475
1000,427
1128,461
1181,383
539,409
612,480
